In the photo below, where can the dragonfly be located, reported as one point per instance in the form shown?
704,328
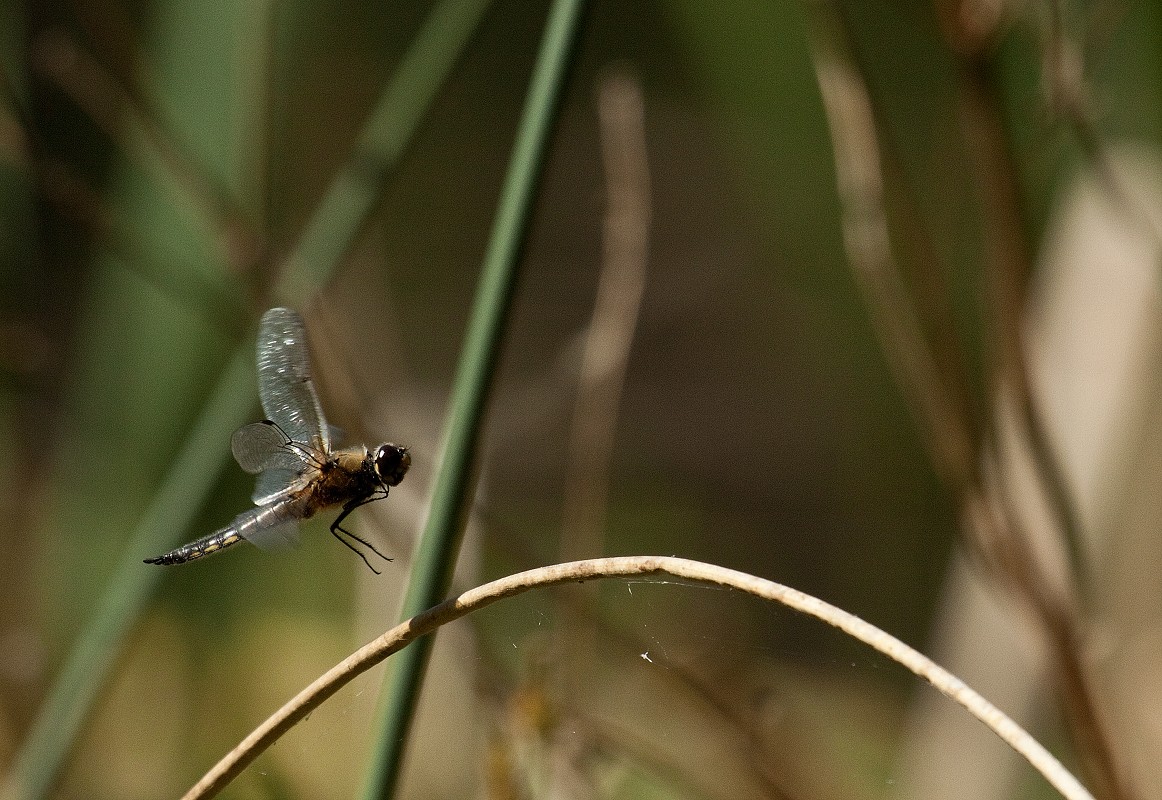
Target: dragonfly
291,451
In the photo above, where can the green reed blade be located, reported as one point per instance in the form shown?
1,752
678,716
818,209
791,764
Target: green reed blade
438,548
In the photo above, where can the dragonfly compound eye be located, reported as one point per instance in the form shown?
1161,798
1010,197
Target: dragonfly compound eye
392,462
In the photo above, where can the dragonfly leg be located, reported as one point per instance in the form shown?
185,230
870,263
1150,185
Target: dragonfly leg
337,528
353,548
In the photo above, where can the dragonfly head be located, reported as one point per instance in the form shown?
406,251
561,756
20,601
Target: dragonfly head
392,462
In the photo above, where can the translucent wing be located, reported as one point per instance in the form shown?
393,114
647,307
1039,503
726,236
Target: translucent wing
271,527
280,536
273,483
262,446
284,380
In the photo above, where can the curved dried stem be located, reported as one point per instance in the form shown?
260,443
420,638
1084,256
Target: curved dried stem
407,632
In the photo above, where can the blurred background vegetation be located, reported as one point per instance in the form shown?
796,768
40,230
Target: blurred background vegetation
163,168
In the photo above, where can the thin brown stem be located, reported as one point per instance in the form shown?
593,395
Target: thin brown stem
956,451
947,432
605,356
615,314
1008,264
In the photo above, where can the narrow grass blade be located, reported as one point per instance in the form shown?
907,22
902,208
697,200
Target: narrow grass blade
439,546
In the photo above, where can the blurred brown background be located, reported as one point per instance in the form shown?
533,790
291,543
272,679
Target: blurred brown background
159,162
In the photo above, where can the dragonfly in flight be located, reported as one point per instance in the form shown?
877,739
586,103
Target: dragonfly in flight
291,451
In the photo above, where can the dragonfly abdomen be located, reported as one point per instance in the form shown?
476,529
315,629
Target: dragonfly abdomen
207,545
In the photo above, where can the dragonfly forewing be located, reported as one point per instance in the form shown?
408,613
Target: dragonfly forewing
284,379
